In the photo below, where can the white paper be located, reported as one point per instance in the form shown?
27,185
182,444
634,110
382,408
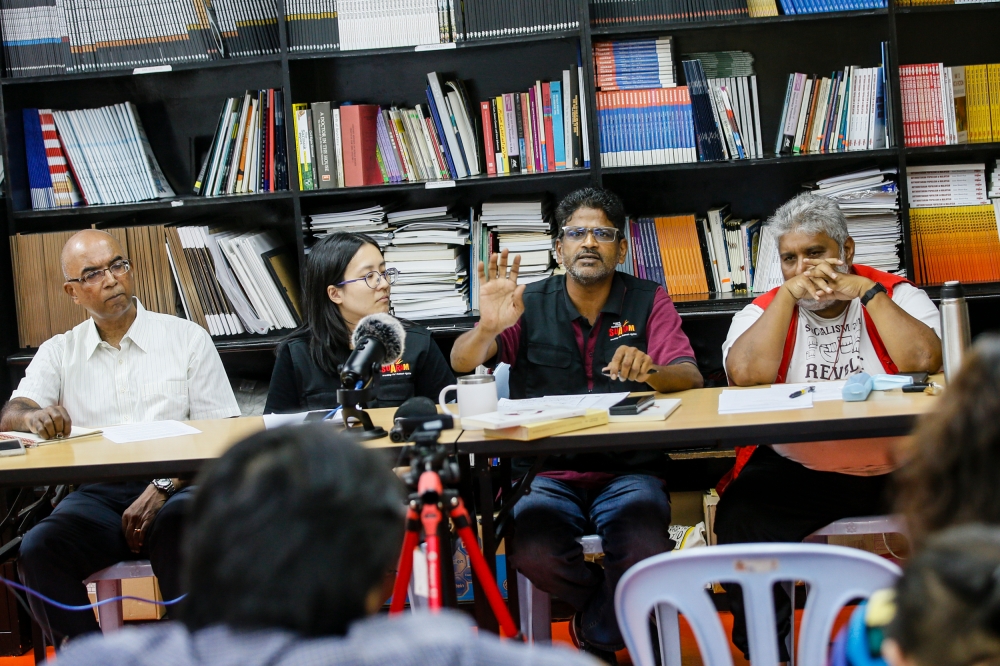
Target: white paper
582,401
824,390
272,421
520,417
31,439
772,399
140,432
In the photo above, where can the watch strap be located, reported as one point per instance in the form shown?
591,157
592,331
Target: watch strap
166,486
879,288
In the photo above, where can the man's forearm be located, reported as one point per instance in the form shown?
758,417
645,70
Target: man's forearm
472,348
755,357
677,377
13,416
912,345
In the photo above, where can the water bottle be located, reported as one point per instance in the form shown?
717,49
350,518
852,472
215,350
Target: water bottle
956,335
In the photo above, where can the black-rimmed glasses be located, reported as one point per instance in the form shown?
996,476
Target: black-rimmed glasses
373,279
96,276
601,234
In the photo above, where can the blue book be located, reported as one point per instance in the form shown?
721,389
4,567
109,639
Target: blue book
558,128
440,132
39,178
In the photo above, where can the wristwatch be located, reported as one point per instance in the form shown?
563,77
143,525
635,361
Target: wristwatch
166,486
871,293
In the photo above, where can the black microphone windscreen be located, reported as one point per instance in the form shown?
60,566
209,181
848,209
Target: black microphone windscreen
386,329
416,406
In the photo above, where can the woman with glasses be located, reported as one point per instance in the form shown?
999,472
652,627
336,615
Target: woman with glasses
346,279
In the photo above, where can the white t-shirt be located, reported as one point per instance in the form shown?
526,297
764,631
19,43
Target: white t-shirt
832,349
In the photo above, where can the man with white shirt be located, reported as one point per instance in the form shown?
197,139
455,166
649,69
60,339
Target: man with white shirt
123,365
829,320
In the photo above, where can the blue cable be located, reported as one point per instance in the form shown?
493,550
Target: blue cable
86,607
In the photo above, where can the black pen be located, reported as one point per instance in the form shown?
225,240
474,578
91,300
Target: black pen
808,389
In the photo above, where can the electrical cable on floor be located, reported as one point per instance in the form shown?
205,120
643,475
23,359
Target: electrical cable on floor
86,607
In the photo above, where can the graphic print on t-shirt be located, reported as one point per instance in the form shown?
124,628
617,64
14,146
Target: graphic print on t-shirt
832,346
622,330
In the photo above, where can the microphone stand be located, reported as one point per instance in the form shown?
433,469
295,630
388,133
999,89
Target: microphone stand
350,400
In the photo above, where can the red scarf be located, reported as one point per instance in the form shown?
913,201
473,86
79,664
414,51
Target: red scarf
887,280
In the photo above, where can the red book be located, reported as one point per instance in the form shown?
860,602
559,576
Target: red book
491,162
270,140
357,123
550,149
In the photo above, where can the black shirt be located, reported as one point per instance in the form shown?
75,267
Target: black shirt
298,384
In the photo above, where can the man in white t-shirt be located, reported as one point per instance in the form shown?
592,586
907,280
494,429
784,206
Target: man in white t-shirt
829,320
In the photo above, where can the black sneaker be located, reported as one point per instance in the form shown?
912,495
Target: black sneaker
607,656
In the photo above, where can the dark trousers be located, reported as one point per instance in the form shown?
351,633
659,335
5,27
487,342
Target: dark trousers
632,516
84,535
777,500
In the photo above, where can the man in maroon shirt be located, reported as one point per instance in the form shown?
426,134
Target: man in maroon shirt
591,330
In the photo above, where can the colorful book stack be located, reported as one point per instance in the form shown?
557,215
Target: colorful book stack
521,227
103,154
616,12
844,112
248,153
634,64
428,249
950,105
953,225
643,127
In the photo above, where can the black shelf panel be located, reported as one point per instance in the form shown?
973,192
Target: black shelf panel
460,182
938,9
668,27
160,204
111,73
957,149
767,161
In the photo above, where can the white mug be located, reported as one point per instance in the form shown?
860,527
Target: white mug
477,394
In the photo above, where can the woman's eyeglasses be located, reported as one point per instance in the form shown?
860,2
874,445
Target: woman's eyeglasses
578,234
374,278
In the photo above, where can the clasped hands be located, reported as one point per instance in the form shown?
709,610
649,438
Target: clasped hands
823,282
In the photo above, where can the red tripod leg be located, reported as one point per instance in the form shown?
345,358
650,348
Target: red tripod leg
481,569
430,490
405,568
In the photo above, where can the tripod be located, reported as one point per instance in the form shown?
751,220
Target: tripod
430,470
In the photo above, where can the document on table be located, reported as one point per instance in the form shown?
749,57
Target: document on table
563,402
772,399
824,390
140,432
272,421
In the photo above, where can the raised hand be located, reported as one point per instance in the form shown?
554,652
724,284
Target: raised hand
500,297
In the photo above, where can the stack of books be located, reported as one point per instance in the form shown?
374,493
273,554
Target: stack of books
844,112
428,248
789,7
869,200
947,185
103,154
645,127
370,221
521,227
943,106
634,64
667,250
921,3
617,12
490,19
994,192
248,153
70,36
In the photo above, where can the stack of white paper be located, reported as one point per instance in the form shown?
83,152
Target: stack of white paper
525,228
371,221
773,399
947,185
428,248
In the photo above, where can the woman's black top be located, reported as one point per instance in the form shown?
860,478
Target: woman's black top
299,385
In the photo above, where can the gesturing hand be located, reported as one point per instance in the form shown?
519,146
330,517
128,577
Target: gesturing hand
500,297
49,422
138,517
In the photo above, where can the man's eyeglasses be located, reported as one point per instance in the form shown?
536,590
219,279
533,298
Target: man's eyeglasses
578,234
374,278
96,276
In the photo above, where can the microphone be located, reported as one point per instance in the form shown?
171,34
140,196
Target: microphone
417,413
377,338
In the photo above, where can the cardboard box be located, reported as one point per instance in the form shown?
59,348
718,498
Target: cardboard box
145,588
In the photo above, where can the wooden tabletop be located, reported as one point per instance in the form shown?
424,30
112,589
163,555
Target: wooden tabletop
695,425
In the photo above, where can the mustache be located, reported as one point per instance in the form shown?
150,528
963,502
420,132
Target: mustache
586,255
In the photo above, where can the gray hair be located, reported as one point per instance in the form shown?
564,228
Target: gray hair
812,214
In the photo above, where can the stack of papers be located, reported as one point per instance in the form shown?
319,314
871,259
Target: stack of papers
773,399
371,221
524,228
947,185
512,413
31,439
428,248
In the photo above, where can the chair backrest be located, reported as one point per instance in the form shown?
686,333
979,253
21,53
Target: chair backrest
835,576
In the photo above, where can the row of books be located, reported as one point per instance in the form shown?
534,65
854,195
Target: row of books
944,185
248,153
103,154
617,12
943,106
840,113
920,3
725,114
43,37
634,64
955,243
643,127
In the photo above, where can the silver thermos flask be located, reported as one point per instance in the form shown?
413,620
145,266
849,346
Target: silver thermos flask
955,332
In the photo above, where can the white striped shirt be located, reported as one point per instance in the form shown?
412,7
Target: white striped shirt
167,368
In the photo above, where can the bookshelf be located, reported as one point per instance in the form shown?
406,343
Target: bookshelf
180,111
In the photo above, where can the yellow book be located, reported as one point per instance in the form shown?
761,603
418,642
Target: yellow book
298,147
993,75
977,103
532,431
502,130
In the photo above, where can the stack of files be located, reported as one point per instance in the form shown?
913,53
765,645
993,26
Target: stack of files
955,243
947,185
543,129
635,64
481,246
429,251
723,64
371,221
670,251
645,127
44,310
734,245
107,153
617,12
950,105
840,113
489,19
248,153
766,262
233,282
49,178
521,224
869,200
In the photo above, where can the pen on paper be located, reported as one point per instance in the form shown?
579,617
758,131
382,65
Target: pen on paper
803,391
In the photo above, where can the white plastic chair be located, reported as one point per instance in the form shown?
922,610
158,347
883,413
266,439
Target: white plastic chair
109,585
676,581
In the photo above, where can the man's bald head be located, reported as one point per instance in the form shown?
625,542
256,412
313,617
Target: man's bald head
86,245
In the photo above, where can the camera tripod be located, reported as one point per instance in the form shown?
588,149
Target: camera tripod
430,471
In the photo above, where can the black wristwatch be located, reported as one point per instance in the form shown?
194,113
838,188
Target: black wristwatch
166,486
871,293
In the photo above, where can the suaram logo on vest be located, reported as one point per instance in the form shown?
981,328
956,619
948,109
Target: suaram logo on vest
397,368
622,330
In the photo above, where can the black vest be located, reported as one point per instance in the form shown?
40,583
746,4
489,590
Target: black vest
549,361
